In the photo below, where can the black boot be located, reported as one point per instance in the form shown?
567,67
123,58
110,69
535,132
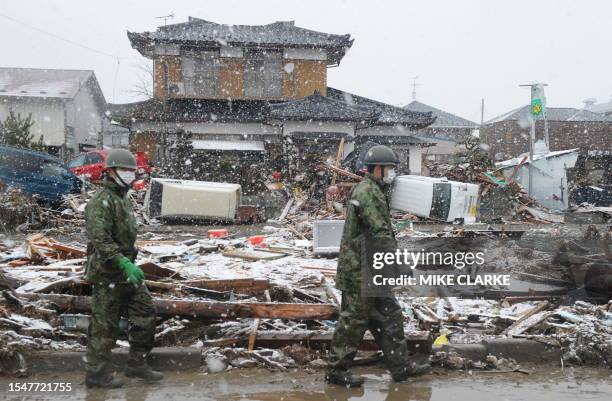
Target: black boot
107,381
143,371
343,378
410,369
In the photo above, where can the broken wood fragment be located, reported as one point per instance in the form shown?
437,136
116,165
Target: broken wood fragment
253,255
240,285
530,319
154,271
209,309
253,335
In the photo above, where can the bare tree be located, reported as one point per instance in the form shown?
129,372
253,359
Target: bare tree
144,86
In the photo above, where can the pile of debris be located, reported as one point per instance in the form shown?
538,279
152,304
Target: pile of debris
265,299
18,210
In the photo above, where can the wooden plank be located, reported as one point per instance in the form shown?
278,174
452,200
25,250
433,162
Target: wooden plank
154,271
210,309
529,319
340,171
71,251
253,335
338,159
252,255
231,79
248,285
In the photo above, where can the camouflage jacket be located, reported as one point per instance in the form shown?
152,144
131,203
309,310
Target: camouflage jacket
111,233
367,222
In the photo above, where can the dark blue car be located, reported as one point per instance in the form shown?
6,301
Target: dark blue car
36,173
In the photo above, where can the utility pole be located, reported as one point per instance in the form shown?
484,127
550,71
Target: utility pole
534,113
482,112
414,85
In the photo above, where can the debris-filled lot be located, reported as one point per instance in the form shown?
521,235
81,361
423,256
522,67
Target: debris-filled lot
266,300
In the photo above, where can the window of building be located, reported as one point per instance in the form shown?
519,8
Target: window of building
201,72
120,140
262,74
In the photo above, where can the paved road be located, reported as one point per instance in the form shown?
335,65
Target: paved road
261,385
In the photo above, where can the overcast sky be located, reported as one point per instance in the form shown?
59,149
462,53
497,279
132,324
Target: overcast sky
461,50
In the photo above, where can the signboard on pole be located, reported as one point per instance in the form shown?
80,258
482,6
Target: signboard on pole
538,100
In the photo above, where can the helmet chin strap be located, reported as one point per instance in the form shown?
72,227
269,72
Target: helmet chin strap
118,179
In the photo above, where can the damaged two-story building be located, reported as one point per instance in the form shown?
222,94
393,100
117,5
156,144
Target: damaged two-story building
257,97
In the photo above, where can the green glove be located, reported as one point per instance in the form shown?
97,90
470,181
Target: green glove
132,272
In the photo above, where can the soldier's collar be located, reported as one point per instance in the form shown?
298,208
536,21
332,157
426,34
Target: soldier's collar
377,180
113,186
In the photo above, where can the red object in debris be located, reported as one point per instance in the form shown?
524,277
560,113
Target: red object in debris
140,185
93,164
257,239
221,233
332,193
277,176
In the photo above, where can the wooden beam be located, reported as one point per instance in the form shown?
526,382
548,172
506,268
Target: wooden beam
520,326
242,285
209,309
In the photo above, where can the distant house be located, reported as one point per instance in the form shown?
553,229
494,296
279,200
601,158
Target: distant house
67,106
569,128
446,131
508,134
114,135
258,94
601,108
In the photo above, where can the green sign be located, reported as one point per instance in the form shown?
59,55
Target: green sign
538,100
536,107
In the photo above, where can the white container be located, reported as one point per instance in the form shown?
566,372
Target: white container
326,236
168,198
435,198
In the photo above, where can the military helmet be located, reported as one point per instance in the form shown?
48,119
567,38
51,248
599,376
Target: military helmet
380,155
120,158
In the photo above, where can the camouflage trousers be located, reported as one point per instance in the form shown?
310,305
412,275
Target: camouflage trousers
382,316
109,304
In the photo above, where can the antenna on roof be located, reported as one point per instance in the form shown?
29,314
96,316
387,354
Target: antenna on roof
166,17
414,85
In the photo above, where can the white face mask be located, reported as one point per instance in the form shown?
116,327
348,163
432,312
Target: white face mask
390,176
127,177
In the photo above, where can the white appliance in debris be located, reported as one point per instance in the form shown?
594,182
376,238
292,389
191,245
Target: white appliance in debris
550,183
168,198
435,198
326,236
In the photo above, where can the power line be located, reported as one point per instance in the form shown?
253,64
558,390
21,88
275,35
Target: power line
51,34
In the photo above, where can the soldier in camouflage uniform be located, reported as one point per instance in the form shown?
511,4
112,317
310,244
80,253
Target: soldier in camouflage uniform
117,283
368,224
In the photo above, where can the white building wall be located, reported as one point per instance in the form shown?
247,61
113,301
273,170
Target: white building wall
550,186
211,128
319,126
47,114
413,152
85,117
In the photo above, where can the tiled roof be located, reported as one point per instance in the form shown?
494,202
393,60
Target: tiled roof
336,106
443,118
39,82
277,34
389,115
321,108
553,114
